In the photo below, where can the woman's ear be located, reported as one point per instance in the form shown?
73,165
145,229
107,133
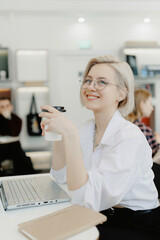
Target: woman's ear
121,98
122,95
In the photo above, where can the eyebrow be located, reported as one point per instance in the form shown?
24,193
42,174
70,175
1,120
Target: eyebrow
98,77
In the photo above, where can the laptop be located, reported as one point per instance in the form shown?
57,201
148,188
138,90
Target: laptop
30,191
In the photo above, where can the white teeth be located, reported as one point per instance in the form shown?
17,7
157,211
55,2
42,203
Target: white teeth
90,97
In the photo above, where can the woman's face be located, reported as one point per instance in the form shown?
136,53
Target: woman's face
106,99
147,107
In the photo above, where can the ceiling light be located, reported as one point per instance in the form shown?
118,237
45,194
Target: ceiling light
147,20
81,20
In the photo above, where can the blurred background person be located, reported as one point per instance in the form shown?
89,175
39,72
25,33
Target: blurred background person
10,147
143,109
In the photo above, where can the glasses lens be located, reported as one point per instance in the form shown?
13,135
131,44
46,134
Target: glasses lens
101,84
85,83
98,84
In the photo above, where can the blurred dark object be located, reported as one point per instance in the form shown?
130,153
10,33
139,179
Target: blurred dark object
33,120
4,71
131,60
156,170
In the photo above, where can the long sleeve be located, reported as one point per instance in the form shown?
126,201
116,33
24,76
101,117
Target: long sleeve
59,175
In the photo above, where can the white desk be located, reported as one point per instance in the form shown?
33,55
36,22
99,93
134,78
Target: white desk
10,219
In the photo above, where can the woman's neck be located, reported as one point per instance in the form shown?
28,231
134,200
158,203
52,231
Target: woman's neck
102,120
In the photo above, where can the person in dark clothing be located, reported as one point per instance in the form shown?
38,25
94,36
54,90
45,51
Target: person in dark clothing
10,146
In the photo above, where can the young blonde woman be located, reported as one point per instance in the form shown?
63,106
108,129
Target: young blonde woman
103,163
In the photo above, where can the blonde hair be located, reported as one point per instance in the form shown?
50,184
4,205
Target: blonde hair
124,78
140,95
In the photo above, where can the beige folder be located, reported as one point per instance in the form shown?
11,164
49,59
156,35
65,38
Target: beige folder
61,224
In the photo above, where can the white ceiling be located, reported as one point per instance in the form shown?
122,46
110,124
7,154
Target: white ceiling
85,6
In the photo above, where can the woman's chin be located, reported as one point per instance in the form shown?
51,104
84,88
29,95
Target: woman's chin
90,107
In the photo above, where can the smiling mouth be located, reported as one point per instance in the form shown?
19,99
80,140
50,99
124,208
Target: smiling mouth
91,97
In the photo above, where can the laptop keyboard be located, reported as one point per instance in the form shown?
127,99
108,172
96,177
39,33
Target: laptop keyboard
23,190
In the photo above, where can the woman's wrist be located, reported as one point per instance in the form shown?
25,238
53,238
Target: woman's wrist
70,131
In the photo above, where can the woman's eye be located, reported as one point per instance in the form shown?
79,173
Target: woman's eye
87,81
101,82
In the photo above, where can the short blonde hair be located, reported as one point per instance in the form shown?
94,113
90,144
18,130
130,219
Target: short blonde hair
140,95
124,79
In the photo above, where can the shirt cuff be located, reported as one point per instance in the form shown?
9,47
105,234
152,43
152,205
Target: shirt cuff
59,175
78,195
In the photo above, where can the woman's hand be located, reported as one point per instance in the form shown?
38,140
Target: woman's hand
55,121
69,152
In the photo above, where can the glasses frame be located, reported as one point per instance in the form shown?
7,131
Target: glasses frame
95,84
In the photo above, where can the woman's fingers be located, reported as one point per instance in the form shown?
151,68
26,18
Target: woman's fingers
43,129
46,115
52,119
45,121
49,108
49,112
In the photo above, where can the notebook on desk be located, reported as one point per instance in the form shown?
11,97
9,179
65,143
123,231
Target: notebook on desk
62,224
21,192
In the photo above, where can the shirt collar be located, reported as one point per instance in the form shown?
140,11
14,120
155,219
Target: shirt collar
113,127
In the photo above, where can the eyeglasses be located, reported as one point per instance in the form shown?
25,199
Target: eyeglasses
99,84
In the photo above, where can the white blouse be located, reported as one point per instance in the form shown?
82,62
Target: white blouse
119,168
